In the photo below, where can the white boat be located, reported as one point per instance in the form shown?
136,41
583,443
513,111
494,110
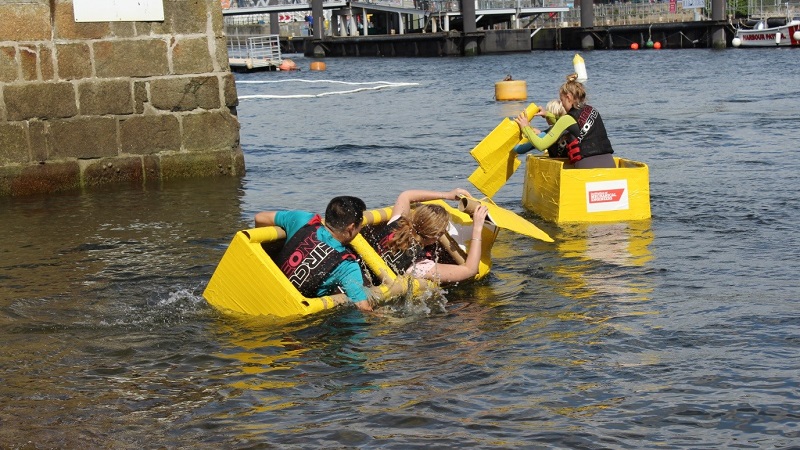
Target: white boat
771,32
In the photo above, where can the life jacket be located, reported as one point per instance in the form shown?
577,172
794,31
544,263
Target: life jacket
307,261
589,137
398,260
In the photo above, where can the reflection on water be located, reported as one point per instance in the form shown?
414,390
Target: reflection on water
602,260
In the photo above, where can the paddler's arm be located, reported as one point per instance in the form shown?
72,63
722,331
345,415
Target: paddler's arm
551,137
402,207
446,273
265,218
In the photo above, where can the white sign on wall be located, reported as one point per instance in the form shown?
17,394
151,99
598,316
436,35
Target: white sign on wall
118,10
689,4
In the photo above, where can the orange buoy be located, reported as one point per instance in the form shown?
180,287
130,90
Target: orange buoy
317,65
511,90
657,45
634,46
288,64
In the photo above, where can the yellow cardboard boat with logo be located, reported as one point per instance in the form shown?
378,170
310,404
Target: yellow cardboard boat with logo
560,193
247,280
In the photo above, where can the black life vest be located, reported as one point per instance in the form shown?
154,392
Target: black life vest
589,135
306,261
398,260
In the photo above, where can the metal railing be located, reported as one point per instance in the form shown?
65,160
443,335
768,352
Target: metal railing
619,13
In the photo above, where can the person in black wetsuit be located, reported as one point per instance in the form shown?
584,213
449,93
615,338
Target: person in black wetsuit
587,144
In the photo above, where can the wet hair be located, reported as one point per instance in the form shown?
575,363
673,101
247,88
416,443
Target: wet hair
574,88
343,211
427,221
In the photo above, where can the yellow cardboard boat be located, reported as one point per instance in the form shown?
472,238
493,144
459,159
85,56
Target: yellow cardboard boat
559,193
247,280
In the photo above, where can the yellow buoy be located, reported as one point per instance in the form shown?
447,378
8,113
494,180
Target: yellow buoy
510,90
317,65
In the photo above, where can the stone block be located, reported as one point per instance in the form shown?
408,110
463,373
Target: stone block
46,68
210,131
40,100
185,94
123,29
193,165
105,97
183,17
152,169
9,70
113,170
74,61
13,143
191,55
38,132
28,21
139,96
28,62
141,135
229,90
221,46
66,27
93,137
40,178
131,58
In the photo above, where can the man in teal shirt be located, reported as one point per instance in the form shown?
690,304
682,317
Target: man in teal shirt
315,257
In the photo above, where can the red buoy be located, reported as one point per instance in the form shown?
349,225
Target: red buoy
657,45
634,46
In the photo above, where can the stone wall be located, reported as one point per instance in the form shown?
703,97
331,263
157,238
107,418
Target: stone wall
87,104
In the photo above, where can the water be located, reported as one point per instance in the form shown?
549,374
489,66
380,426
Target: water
678,332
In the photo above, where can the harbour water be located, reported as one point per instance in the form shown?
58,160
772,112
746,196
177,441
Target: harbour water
682,331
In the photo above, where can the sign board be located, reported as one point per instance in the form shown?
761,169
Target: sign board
689,4
118,10
607,196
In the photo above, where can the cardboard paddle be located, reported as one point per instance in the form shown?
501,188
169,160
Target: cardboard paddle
495,156
504,218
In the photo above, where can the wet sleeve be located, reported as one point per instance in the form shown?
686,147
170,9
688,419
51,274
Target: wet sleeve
349,277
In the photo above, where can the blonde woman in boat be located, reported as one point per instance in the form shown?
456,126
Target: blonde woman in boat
588,146
408,241
551,113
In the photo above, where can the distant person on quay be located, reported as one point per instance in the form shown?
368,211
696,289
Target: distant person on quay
587,143
308,237
408,242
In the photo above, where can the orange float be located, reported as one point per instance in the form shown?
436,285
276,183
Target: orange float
318,65
287,64
634,46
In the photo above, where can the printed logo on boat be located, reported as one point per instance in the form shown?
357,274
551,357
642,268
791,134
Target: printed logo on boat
607,196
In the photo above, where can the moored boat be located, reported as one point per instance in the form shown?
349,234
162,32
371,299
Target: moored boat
769,33
559,193
247,280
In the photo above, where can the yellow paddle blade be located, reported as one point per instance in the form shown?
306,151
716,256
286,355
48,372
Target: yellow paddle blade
496,144
501,140
509,220
490,181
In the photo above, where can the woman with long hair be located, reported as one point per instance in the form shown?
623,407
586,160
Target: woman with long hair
406,241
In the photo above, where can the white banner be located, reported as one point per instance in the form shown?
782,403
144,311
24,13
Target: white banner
118,10
689,4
